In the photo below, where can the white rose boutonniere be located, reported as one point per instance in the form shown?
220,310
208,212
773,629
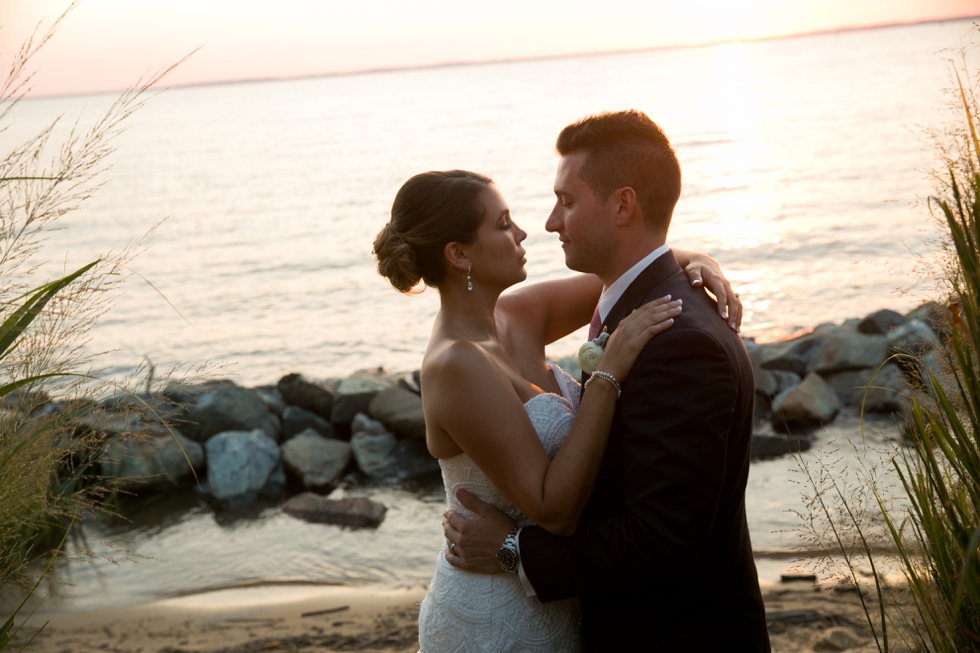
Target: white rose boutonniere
591,353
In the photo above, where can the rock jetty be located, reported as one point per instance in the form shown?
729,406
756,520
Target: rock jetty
302,438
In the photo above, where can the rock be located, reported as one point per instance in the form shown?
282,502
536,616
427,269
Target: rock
373,452
763,407
915,337
400,410
848,351
810,404
297,391
357,511
154,457
411,459
272,397
935,315
110,424
296,420
356,392
881,322
887,394
773,446
229,409
834,639
240,464
24,400
316,461
364,424
383,457
791,355
754,351
275,487
772,382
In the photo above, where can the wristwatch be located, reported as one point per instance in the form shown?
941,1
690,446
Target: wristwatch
507,556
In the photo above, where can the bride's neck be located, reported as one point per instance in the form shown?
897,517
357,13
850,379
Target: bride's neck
468,314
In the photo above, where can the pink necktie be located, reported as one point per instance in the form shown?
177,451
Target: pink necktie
595,325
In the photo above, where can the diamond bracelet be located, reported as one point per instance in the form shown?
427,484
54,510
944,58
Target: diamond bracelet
607,377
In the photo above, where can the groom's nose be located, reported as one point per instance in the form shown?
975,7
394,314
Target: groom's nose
554,221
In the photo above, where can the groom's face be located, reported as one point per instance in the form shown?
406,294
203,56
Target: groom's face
580,219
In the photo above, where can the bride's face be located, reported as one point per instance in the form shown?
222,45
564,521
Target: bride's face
497,257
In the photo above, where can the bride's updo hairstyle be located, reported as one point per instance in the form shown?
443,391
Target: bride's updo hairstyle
430,210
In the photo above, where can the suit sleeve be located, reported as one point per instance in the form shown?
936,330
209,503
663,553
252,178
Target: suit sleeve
674,416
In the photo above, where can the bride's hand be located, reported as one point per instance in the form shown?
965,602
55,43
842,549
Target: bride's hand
702,269
634,332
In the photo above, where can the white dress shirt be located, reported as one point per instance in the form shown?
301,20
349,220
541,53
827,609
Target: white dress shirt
607,300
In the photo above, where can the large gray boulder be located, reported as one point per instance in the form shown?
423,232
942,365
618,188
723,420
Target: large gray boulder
791,355
771,382
314,398
933,314
843,350
108,423
385,458
241,464
915,338
773,446
352,511
272,397
229,409
296,420
155,457
400,410
315,460
810,404
888,393
754,350
881,322
354,394
373,451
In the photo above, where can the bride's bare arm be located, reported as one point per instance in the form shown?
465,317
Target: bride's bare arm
475,403
550,310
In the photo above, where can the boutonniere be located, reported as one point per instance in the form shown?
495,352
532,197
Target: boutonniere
590,353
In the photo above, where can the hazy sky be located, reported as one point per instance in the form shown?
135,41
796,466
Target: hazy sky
108,44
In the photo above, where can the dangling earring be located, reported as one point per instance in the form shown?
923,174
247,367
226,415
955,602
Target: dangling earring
469,281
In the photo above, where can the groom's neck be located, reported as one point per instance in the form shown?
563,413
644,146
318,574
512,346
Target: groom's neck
628,253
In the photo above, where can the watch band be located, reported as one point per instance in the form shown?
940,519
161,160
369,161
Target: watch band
507,556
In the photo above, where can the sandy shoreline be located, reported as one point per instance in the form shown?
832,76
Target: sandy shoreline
341,618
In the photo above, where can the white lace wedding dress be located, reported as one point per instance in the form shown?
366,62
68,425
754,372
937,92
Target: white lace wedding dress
476,613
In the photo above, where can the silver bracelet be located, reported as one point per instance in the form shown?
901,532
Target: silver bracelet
607,377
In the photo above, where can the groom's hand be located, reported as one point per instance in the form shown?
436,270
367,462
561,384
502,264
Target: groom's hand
477,539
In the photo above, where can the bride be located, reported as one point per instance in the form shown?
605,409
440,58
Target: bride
504,424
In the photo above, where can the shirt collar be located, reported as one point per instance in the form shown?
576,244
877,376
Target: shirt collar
612,294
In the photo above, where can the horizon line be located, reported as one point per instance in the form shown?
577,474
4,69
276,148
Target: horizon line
543,57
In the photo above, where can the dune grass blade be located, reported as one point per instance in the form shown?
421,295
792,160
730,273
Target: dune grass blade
14,326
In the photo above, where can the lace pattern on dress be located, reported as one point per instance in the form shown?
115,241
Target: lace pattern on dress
475,613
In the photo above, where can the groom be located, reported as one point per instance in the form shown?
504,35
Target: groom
661,558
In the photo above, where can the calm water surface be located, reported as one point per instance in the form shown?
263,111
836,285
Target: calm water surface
803,159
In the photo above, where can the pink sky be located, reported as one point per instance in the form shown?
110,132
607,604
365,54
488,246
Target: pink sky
107,44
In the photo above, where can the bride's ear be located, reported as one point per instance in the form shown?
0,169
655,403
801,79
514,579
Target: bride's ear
456,257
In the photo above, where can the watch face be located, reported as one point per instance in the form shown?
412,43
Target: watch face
508,559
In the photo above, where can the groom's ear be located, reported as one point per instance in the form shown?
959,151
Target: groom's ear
624,206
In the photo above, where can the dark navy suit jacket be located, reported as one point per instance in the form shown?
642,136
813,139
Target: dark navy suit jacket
662,558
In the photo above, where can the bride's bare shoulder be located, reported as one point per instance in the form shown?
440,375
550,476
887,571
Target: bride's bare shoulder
455,359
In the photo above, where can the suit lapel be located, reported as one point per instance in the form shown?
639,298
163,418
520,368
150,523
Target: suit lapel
656,272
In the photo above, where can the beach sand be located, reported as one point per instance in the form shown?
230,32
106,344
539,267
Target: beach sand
317,619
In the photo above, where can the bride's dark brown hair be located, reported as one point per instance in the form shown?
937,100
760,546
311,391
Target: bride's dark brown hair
430,210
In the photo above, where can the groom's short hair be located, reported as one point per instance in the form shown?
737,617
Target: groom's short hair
626,148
